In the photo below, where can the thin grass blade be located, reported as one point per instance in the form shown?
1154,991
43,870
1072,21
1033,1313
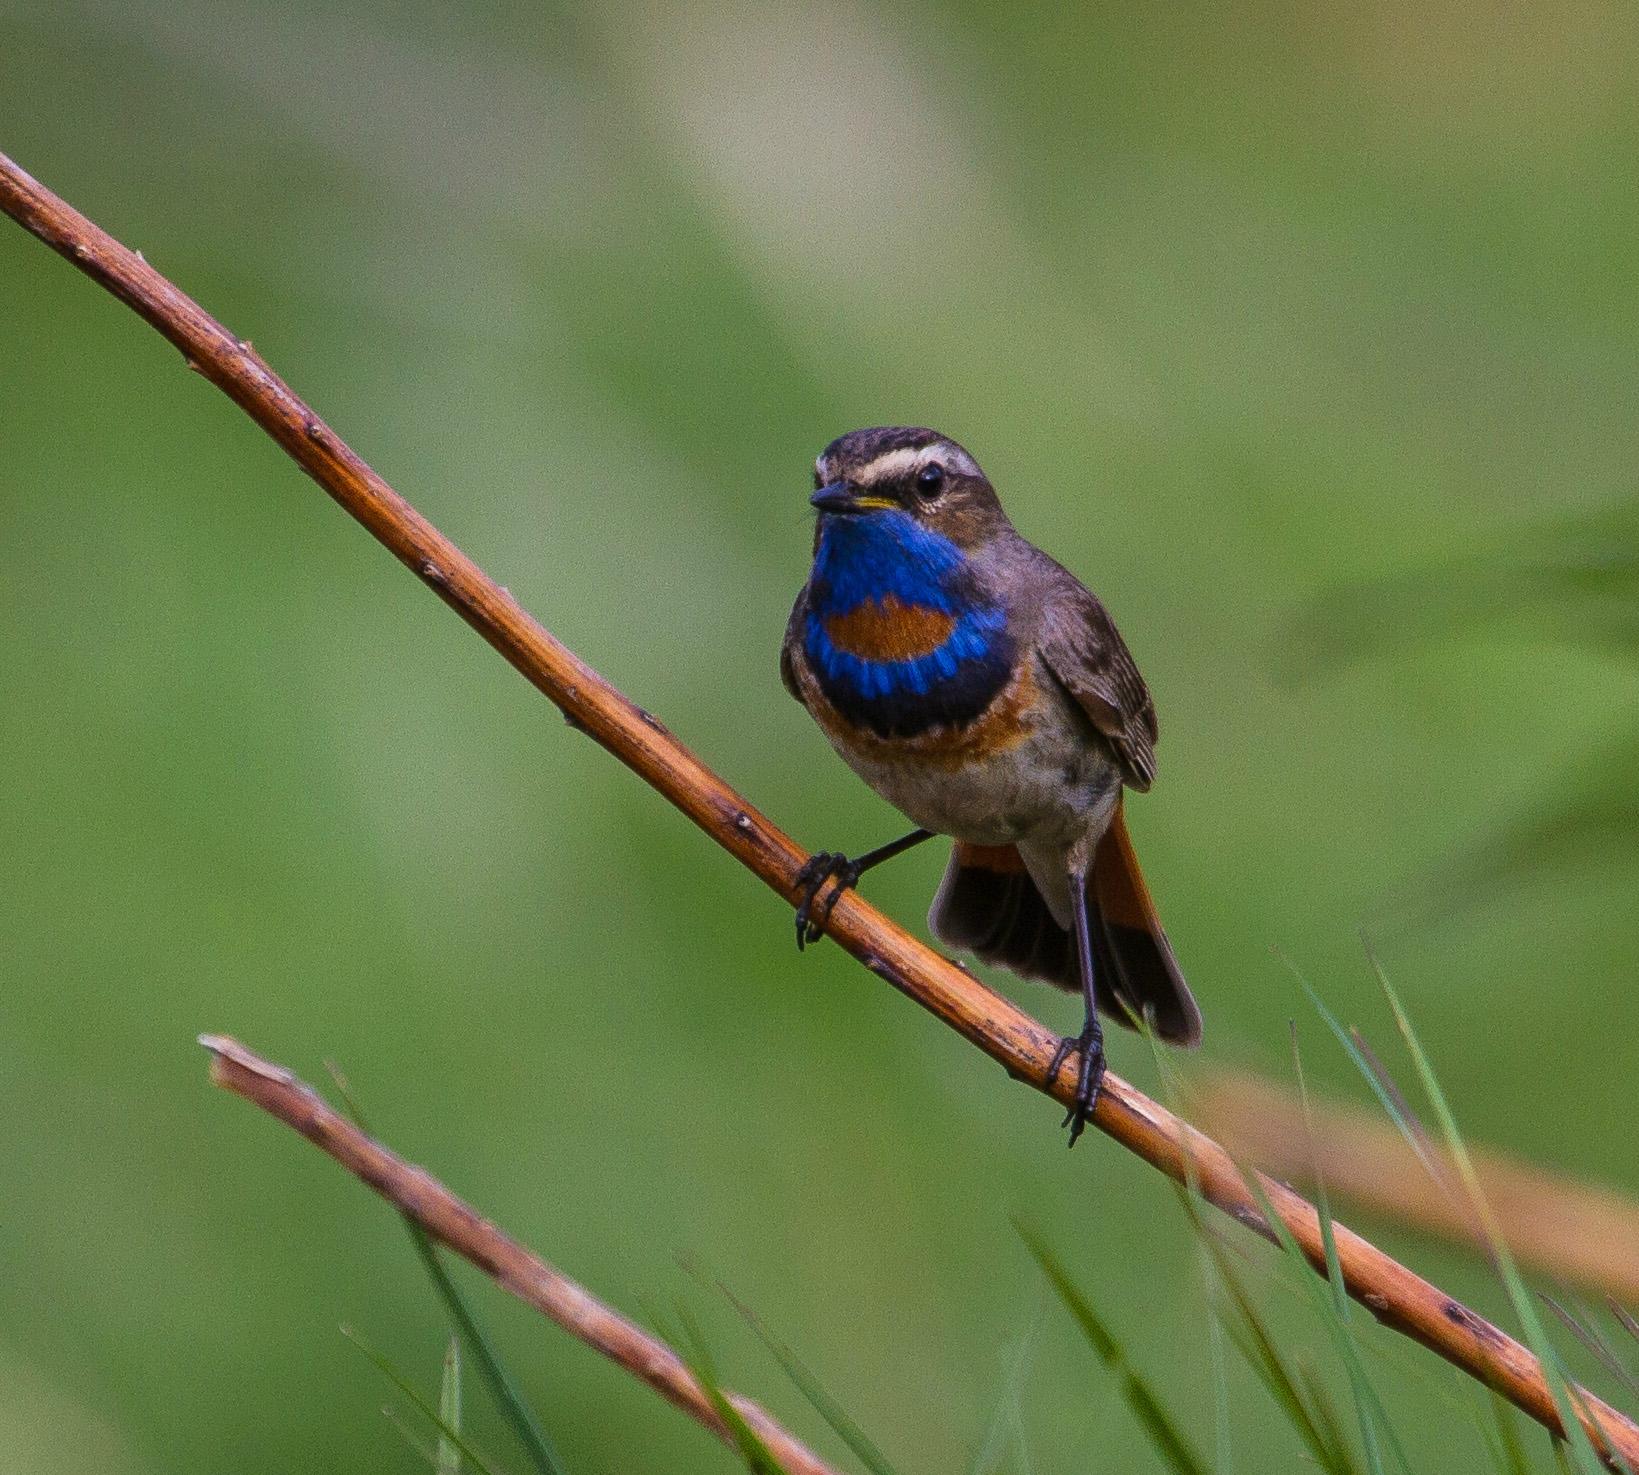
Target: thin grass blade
1245,1327
1371,1417
1021,1438
422,1406
758,1457
1223,1448
1581,1449
502,1386
1251,1337
449,1409
987,1456
1162,1430
842,1423
1381,1084
1502,1414
1321,1402
1588,1335
419,1445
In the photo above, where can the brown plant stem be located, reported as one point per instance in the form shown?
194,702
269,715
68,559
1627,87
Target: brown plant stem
1571,1230
449,1220
1394,1294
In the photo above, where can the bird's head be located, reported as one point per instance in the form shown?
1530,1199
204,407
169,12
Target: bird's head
912,471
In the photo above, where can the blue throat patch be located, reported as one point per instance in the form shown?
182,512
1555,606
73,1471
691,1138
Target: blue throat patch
878,556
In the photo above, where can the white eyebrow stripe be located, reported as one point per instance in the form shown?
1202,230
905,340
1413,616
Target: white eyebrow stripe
907,460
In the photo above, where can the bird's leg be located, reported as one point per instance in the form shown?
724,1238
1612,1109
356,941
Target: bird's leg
1090,1042
826,865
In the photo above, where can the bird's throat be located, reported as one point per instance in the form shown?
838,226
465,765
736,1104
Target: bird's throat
899,632
877,556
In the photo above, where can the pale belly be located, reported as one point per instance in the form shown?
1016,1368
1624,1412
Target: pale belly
1050,789
1027,770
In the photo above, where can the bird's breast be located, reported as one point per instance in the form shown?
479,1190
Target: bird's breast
1020,769
898,669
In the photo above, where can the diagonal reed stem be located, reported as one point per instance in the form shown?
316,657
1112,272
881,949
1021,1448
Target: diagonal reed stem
1569,1230
1024,1047
415,1193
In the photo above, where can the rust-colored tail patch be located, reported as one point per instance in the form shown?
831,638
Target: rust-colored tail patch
989,904
1005,860
1150,978
1118,884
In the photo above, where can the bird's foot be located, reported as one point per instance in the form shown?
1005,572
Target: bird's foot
823,866
1089,1045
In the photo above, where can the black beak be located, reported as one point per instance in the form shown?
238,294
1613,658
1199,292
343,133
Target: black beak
835,498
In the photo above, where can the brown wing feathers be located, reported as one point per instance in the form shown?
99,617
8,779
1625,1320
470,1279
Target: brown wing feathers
1080,645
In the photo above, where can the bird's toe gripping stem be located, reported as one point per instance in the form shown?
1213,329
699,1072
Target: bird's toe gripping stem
823,866
1089,1045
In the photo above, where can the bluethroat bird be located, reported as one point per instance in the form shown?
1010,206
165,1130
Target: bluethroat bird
979,688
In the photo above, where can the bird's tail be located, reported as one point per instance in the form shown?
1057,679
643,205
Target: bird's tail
989,905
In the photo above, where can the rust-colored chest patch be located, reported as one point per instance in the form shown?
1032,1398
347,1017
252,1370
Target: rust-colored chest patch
889,630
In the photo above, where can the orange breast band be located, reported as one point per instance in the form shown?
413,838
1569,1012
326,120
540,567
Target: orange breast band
887,630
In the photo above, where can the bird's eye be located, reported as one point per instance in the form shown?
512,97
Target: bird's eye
819,480
930,480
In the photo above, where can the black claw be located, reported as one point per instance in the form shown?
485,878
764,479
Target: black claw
823,866
1066,1045
1089,1078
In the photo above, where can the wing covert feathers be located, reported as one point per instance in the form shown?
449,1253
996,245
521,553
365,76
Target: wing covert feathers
793,633
1085,652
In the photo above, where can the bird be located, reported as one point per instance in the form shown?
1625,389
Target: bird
980,688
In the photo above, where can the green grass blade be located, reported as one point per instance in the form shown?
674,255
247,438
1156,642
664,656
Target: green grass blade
404,1386
502,1386
1389,1099
987,1455
842,1423
758,1457
449,1409
1245,1327
1251,1338
1502,1414
1021,1438
1163,1432
409,1436
1370,1414
1488,1433
1621,1370
1581,1449
503,1389
1192,1201
1223,1448
1583,1329
1323,1205
1325,1415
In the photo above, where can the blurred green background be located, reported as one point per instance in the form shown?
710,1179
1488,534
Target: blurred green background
1239,306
